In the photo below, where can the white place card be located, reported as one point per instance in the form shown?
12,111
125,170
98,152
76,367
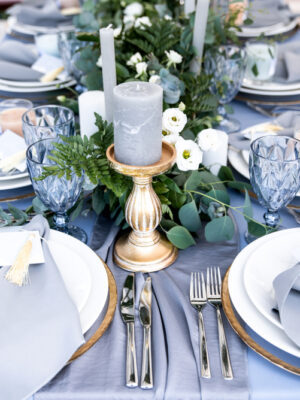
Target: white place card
12,242
11,144
47,63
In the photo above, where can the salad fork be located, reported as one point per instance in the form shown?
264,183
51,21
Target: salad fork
214,284
198,300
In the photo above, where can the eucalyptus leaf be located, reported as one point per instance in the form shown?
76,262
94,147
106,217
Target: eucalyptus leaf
77,210
219,229
216,195
189,216
180,237
238,185
225,174
256,229
98,202
38,206
20,216
247,206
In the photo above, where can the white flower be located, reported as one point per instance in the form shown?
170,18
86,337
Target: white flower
128,21
117,31
209,139
168,17
189,156
155,79
173,57
99,62
170,137
139,22
136,58
174,120
181,106
134,9
141,68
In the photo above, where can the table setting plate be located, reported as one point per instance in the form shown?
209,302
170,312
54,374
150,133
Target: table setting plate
270,85
25,29
271,30
15,183
244,305
34,84
262,267
13,175
43,89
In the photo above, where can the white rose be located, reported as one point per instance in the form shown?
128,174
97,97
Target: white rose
174,120
189,156
117,31
134,10
173,57
139,22
134,59
99,62
170,137
209,139
128,21
141,68
155,79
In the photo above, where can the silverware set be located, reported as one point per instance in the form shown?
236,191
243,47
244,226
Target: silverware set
127,308
201,293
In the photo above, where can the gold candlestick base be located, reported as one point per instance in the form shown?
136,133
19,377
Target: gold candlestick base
144,249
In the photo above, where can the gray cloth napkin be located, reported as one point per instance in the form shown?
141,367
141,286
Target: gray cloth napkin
268,12
286,286
100,373
18,52
17,72
289,121
288,61
40,326
48,15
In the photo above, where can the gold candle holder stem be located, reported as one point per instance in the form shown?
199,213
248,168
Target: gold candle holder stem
144,249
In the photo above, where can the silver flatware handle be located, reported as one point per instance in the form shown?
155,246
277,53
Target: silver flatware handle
205,367
131,368
147,376
223,347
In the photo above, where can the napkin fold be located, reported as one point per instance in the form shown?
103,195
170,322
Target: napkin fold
18,52
287,294
265,13
40,326
289,121
48,15
17,72
287,65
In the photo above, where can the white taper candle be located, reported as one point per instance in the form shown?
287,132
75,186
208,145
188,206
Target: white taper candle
90,103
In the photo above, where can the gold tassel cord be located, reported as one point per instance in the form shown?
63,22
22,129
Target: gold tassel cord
18,273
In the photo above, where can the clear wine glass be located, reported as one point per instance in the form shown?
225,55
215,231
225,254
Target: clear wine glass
58,193
47,122
227,68
274,167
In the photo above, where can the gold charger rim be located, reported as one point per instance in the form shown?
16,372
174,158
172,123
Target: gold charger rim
245,337
105,323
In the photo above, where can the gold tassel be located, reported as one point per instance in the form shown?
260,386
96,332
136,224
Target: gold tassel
18,272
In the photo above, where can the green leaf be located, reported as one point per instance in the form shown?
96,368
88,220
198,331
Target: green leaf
167,224
38,206
77,210
180,237
247,206
189,216
219,229
254,69
193,181
176,199
239,185
256,229
216,195
98,202
20,216
248,21
225,174
5,218
209,178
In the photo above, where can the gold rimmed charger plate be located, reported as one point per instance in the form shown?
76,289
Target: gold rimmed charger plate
111,308
246,338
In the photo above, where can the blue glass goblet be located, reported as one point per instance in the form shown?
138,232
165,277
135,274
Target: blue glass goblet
57,193
274,167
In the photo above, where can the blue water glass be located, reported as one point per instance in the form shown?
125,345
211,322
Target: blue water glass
274,167
58,194
226,67
47,122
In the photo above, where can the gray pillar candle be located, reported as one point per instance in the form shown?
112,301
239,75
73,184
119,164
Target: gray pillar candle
138,123
108,68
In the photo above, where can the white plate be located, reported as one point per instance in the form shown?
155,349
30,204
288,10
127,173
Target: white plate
14,176
84,275
264,92
270,85
33,84
267,262
15,89
25,29
246,309
276,29
15,183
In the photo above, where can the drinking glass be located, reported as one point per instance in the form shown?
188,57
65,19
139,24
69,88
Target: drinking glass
47,122
274,167
261,60
227,67
58,194
11,112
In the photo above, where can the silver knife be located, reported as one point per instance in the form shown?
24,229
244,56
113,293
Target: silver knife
127,312
145,317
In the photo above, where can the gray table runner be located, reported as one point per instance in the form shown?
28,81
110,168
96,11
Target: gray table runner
100,373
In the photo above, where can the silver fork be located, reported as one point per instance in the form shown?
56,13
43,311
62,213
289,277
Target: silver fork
214,283
198,300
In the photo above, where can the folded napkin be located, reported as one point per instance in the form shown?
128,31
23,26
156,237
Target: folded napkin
288,60
12,146
48,15
268,12
18,52
287,294
40,326
288,121
17,72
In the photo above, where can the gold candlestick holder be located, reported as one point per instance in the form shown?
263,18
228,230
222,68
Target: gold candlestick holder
144,249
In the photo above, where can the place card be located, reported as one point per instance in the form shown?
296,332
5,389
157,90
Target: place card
12,242
10,145
47,63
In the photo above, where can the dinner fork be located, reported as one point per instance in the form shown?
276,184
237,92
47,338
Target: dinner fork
198,300
214,284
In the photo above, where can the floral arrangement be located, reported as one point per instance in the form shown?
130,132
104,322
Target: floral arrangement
153,43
